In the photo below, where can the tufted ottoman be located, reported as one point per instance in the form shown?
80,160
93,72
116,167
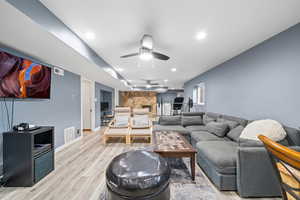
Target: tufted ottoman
138,175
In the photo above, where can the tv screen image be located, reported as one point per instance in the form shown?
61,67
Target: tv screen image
22,78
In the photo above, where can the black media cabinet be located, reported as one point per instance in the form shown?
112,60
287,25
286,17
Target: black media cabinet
28,156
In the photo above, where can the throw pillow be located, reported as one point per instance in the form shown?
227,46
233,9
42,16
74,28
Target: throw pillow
191,120
231,124
207,119
235,133
217,128
170,120
269,128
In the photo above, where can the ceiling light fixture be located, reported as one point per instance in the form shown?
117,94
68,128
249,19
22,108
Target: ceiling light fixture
89,35
166,80
148,86
201,35
146,56
173,69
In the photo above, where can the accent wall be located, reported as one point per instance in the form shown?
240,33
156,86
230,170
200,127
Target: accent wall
261,83
62,110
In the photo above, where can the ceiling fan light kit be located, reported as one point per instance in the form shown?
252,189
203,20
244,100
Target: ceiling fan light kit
146,56
146,50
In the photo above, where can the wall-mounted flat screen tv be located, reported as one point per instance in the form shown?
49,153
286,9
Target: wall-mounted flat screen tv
23,78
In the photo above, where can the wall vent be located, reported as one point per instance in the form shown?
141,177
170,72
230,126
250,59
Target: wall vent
69,134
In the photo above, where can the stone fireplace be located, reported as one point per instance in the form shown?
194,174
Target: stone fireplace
139,99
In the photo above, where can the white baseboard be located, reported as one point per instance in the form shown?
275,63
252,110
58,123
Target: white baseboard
97,129
58,149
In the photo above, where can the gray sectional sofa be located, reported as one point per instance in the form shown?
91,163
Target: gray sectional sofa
230,163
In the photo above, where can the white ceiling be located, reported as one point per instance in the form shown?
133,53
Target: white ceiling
232,26
22,34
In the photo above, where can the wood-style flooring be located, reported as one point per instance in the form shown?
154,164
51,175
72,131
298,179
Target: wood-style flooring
80,173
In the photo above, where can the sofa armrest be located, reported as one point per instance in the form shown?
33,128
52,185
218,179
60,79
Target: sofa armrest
255,174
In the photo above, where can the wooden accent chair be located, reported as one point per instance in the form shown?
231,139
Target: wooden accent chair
141,124
118,127
286,162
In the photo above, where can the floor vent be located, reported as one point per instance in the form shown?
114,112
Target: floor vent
69,134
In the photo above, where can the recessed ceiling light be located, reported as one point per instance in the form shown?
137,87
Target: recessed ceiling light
166,80
148,86
129,80
119,69
89,35
201,35
173,69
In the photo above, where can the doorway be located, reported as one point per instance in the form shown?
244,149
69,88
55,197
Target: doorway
87,104
106,104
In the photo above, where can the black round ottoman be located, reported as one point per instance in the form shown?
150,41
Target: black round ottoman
138,175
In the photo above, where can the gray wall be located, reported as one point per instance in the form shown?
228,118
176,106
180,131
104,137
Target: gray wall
263,82
168,96
98,88
62,110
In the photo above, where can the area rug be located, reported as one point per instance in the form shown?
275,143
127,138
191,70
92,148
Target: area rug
181,185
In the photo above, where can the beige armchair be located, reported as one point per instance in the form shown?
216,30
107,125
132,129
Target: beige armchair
118,127
141,126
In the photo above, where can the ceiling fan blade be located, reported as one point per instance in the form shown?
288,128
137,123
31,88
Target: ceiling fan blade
160,56
130,55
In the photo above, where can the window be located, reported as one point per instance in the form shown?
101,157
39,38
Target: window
198,94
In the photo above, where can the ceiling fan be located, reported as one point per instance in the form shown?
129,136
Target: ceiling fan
146,50
151,82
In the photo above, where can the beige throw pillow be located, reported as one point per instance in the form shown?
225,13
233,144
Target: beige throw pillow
269,128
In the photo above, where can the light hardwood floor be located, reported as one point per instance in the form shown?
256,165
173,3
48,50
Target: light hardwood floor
80,173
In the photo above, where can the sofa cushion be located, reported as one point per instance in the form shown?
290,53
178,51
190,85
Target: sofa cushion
231,124
218,128
235,133
196,128
207,119
239,120
170,120
191,120
222,155
206,136
215,116
192,113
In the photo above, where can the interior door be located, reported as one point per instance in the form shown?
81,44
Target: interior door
87,105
